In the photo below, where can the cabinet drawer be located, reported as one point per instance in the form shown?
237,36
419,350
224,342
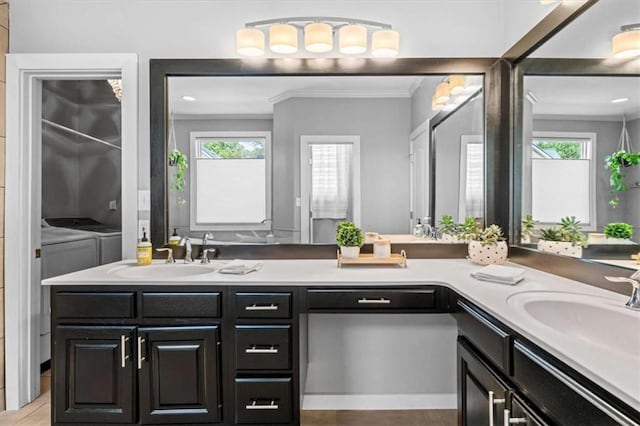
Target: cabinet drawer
563,399
263,347
263,305
358,300
181,305
492,340
263,400
94,305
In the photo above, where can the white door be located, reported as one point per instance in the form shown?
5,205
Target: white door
420,176
329,185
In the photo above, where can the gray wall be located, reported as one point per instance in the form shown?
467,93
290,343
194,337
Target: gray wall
179,214
80,177
421,102
607,134
383,126
466,121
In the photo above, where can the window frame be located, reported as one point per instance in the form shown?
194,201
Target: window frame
591,150
194,225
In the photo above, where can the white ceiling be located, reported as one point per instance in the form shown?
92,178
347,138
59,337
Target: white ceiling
589,96
589,36
256,95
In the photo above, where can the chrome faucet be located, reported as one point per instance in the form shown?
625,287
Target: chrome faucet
634,300
187,256
204,257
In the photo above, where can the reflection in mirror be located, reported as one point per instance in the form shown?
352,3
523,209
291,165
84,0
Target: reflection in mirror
459,157
284,159
570,126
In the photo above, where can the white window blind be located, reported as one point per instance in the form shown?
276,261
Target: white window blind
331,180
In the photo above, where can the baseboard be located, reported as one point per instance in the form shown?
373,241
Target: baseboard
440,401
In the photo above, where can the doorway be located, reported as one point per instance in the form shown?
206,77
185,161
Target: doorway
26,74
419,151
329,185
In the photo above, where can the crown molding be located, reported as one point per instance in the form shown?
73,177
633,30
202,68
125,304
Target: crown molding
289,94
595,117
207,116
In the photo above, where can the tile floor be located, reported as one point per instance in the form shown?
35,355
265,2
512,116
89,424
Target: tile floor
38,413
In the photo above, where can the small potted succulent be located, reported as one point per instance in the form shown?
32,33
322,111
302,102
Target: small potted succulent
449,230
567,240
349,238
527,229
486,246
618,232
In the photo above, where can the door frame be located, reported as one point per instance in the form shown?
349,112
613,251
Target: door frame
25,73
305,179
421,131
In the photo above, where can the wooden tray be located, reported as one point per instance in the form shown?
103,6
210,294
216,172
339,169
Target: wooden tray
368,259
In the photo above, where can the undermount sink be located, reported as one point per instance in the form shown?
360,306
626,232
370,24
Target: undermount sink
593,320
162,271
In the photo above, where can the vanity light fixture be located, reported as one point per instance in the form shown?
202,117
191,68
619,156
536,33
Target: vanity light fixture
456,83
619,100
626,44
318,34
443,92
116,86
188,98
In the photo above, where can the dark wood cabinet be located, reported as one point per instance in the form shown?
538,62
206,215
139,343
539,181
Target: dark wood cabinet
179,375
482,394
94,374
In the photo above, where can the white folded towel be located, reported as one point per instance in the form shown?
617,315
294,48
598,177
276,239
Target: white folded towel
240,267
499,274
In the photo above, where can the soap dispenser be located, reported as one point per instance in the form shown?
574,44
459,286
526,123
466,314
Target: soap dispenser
175,238
143,251
418,230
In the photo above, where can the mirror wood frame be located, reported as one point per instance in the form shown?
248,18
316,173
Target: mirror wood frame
495,72
550,67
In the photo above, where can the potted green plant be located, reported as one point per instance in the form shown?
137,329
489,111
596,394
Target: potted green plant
614,163
469,229
527,229
179,160
567,240
349,238
449,229
618,232
487,246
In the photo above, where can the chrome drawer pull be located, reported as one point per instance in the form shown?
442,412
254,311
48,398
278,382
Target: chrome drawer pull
254,350
254,406
140,357
123,351
493,401
381,301
508,421
271,307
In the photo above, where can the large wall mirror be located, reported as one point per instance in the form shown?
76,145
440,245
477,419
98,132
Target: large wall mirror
573,116
281,159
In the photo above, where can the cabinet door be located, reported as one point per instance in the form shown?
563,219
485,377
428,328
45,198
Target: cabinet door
179,375
93,375
481,393
522,413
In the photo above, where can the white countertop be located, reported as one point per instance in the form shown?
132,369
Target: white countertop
617,372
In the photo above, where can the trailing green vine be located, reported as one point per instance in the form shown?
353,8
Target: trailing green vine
179,160
615,162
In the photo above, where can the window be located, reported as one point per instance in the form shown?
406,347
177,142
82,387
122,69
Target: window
471,202
563,177
231,180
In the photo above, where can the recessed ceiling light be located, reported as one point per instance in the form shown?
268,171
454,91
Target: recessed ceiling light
619,100
188,98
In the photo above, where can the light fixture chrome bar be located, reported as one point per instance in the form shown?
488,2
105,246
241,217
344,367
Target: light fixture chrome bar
312,19
630,27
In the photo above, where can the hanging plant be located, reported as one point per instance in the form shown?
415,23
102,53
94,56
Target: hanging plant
624,157
614,163
179,160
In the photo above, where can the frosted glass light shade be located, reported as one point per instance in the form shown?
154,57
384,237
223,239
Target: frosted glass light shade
456,84
250,42
353,39
626,44
435,106
443,92
283,38
385,43
318,37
